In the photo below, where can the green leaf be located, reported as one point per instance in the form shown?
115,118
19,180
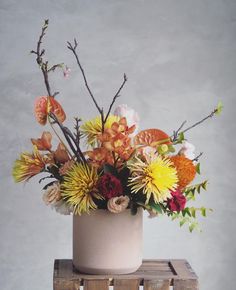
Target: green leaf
107,168
219,108
193,212
198,168
204,185
156,206
181,137
203,211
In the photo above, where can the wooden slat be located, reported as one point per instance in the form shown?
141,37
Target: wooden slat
183,269
126,284
186,285
175,271
96,284
156,284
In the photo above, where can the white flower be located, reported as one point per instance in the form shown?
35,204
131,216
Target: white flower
187,150
62,207
149,152
152,213
52,194
118,204
131,116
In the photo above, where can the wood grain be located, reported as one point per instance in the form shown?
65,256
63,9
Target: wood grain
156,284
96,284
126,284
185,285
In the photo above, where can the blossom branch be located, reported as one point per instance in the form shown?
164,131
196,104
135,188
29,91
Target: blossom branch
43,64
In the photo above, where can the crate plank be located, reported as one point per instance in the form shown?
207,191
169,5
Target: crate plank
153,274
156,284
96,284
186,285
126,284
183,269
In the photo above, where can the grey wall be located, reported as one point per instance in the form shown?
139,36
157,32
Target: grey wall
180,60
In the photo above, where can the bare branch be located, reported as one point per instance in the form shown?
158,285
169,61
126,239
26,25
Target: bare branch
73,49
115,97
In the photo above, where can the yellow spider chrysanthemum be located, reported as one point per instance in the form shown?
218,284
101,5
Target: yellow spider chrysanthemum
92,128
156,177
29,165
78,188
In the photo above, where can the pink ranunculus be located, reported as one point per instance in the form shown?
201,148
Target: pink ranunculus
131,116
177,202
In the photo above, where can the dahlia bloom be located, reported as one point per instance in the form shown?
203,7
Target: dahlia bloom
109,186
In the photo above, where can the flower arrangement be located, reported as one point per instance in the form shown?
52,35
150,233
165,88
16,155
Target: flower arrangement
120,167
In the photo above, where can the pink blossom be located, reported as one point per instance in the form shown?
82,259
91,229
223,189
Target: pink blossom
66,72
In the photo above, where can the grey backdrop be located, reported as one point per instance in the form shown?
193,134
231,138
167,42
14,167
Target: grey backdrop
179,57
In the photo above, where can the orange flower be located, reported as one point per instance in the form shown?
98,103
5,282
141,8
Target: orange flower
44,105
152,137
61,154
100,156
43,143
121,127
186,170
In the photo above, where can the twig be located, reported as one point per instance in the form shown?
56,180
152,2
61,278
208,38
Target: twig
197,157
176,133
201,121
73,49
100,109
115,97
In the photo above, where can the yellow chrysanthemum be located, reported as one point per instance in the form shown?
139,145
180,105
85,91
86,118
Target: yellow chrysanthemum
156,177
29,165
78,188
92,128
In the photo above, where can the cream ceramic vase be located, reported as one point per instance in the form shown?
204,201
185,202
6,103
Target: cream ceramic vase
108,243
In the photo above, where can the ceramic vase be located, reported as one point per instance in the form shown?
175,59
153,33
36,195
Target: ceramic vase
107,243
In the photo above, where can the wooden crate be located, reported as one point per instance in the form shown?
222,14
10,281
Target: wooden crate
152,275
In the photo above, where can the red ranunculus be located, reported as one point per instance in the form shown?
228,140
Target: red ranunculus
109,186
177,202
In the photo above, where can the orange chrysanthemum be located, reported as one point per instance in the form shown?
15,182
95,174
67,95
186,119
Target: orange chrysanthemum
186,170
44,105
